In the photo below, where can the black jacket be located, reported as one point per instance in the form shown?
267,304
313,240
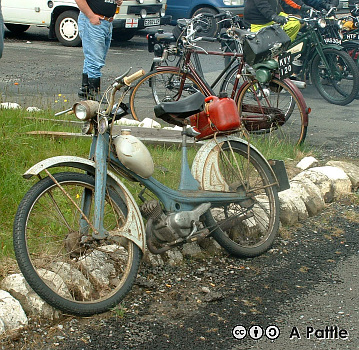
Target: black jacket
261,11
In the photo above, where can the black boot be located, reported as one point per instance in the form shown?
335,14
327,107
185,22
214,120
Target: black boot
83,92
94,88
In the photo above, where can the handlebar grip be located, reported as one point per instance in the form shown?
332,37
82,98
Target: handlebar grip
131,78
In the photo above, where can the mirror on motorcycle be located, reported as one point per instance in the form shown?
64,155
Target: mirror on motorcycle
85,110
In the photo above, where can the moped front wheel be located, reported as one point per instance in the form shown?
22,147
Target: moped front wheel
336,77
57,254
245,229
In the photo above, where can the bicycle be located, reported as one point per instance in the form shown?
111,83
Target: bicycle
332,71
79,235
273,106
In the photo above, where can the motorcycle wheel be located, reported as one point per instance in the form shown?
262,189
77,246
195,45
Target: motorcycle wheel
339,82
57,255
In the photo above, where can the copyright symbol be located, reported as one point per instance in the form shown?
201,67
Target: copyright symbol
239,332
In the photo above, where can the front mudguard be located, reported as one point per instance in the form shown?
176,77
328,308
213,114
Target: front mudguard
134,228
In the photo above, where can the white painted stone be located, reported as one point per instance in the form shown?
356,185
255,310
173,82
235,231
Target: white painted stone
310,195
32,304
340,180
33,109
322,181
98,267
350,169
11,313
192,250
154,259
10,105
149,123
74,279
292,207
127,122
174,257
307,162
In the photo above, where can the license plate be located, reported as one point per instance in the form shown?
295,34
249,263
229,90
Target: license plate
285,65
152,22
351,36
332,41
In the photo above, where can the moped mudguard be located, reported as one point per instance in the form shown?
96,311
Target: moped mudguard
205,166
134,228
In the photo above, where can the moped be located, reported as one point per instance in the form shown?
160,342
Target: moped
79,233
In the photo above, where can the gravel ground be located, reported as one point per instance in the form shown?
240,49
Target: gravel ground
196,305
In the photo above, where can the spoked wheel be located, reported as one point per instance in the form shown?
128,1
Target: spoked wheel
57,255
157,87
272,111
337,82
247,229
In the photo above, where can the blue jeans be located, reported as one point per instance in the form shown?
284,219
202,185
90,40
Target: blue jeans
96,40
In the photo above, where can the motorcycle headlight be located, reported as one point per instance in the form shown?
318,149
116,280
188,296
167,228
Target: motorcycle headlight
322,23
340,24
86,110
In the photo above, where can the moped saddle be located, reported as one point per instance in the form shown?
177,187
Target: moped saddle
176,112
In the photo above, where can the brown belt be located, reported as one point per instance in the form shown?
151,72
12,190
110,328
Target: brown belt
109,19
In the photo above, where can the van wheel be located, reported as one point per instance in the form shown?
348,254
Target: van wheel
209,24
67,29
17,28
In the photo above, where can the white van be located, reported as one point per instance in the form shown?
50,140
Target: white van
60,16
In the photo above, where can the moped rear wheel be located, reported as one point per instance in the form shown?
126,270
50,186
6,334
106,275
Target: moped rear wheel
338,82
247,229
59,258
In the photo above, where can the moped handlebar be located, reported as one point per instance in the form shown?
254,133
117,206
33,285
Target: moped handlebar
131,78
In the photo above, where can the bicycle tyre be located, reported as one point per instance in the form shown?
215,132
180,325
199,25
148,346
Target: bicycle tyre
342,87
239,167
156,87
48,246
281,116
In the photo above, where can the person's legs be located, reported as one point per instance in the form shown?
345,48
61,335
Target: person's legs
291,27
96,40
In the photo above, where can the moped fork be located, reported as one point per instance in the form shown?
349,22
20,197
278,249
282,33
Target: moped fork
99,151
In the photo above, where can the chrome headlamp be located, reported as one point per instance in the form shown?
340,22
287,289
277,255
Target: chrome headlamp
143,13
322,23
86,110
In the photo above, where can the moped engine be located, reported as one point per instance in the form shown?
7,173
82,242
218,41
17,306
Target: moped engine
169,228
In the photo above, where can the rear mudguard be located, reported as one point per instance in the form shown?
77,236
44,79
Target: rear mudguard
134,228
296,91
206,171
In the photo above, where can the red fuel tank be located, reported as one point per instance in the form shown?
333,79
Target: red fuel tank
220,115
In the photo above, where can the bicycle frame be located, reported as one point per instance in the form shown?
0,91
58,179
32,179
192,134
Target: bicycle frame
188,69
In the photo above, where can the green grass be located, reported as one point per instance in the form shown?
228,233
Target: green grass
19,151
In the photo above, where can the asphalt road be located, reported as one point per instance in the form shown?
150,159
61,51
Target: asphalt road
308,280
35,70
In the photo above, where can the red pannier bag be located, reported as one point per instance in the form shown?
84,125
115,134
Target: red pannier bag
220,114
